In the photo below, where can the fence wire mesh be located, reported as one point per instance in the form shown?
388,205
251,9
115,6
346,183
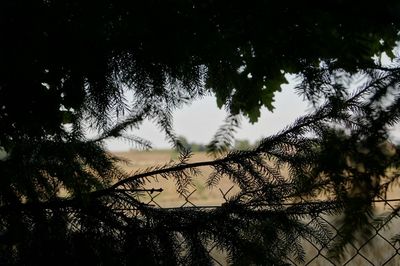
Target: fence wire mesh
378,248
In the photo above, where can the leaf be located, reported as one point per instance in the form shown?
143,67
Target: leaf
254,114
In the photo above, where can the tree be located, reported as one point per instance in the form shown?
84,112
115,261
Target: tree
242,144
66,66
193,147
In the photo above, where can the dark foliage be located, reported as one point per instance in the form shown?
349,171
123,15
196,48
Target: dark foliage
66,66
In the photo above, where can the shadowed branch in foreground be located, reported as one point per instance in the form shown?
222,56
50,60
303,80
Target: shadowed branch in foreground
266,222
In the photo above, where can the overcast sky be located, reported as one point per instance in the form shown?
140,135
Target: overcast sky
199,121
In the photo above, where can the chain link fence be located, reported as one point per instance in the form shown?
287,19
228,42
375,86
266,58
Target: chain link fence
378,248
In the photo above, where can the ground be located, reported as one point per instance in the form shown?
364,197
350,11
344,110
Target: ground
202,195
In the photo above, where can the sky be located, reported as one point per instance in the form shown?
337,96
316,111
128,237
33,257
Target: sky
199,121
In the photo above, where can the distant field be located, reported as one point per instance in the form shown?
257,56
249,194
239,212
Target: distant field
203,196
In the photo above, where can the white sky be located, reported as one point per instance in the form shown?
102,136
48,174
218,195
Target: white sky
199,121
